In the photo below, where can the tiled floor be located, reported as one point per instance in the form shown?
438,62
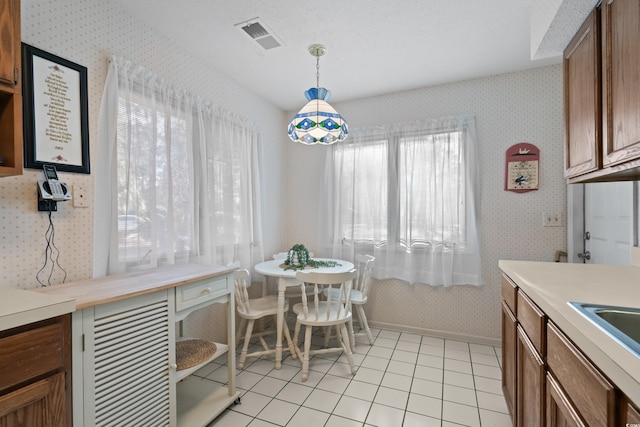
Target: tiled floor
404,379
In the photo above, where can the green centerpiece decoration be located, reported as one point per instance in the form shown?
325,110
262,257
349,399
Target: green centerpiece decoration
298,259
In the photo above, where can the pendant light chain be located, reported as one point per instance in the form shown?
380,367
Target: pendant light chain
317,71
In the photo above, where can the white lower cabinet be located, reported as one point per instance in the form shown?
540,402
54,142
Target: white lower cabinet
124,359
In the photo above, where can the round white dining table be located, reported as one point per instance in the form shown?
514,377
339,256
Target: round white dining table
272,268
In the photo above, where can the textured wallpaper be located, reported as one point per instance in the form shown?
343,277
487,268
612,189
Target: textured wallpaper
511,108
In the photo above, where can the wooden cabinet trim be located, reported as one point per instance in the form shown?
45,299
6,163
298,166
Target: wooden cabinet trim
509,361
509,292
591,393
530,383
532,320
560,411
582,99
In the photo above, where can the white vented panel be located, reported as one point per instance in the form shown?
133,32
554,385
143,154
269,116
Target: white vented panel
131,362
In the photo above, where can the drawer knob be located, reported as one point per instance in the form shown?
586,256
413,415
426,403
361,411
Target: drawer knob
206,291
173,366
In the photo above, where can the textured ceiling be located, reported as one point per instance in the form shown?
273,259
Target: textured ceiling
373,47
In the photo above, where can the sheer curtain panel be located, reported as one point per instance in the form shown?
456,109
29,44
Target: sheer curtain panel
407,194
178,178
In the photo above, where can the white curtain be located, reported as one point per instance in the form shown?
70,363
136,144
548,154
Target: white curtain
407,194
177,178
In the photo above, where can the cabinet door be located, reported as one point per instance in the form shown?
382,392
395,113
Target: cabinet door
127,362
621,80
509,344
581,61
630,415
41,404
560,411
530,383
10,42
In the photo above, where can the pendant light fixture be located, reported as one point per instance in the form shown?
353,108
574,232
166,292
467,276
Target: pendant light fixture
317,122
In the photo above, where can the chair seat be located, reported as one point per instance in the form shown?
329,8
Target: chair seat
321,318
263,306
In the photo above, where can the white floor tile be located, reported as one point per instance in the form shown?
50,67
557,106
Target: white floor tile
425,405
465,396
484,359
372,376
322,400
403,380
251,404
408,346
278,412
385,416
456,378
391,397
487,371
360,390
269,386
402,368
427,388
377,363
396,381
494,419
308,417
461,414
336,421
488,385
492,402
232,419
352,408
416,420
334,384
294,393
453,353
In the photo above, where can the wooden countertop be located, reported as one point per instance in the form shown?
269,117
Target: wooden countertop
20,307
552,285
92,292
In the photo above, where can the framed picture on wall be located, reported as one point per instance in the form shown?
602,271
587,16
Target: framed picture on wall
55,112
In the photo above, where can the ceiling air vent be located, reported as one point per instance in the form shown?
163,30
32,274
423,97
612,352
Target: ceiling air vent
259,32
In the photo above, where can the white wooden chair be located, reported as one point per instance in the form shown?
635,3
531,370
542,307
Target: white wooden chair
359,292
332,311
249,311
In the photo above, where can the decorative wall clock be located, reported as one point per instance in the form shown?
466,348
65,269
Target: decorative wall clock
522,168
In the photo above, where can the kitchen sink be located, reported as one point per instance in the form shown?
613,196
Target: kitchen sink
621,323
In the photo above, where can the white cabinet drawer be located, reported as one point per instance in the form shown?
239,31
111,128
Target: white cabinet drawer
202,291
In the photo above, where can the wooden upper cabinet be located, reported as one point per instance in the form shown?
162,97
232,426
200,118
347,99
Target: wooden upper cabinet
10,42
11,144
621,80
581,62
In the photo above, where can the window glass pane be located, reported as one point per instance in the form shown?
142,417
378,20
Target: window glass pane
431,189
363,170
152,168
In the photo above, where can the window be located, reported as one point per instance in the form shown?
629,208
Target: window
180,178
407,195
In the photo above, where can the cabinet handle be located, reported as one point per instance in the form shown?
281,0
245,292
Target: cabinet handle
173,366
206,291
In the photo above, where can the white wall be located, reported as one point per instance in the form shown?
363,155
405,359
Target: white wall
511,108
88,32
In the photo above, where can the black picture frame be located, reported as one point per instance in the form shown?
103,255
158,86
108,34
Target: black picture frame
55,112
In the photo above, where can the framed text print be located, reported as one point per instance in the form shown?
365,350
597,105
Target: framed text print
55,112
521,168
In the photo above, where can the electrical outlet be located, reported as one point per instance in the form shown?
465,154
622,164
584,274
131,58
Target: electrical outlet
80,197
552,219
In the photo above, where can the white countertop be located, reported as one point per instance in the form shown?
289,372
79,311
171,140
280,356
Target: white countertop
20,307
552,285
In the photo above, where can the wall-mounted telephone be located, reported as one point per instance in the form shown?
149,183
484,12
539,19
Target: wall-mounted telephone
51,188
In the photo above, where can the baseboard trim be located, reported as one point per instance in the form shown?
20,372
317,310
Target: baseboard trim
496,342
